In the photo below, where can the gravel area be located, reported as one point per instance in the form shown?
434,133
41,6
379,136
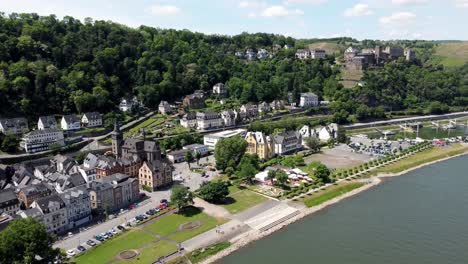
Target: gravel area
339,157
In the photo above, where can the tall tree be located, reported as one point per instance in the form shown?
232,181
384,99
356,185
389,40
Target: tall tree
181,197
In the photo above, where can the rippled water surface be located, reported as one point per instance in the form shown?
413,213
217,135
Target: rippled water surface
421,217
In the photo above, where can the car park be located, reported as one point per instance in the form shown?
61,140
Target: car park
81,248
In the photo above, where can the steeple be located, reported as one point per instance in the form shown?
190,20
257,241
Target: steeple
117,140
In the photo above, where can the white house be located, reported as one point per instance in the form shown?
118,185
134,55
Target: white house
262,54
287,142
328,132
248,110
189,120
91,119
208,120
52,212
264,107
318,54
70,122
127,104
229,118
15,126
220,89
40,140
164,108
197,148
308,100
47,122
78,205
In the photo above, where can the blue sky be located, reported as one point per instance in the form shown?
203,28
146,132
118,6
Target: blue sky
373,19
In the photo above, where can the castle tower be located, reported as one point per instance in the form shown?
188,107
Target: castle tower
117,139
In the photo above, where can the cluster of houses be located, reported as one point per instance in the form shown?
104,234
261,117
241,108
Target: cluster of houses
62,193
305,54
370,57
211,120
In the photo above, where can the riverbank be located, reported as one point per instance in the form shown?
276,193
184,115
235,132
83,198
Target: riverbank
251,236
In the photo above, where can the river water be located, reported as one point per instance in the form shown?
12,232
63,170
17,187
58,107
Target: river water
421,217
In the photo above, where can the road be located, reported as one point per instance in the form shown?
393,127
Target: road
182,175
407,119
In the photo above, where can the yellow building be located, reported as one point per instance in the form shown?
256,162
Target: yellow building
260,144
155,174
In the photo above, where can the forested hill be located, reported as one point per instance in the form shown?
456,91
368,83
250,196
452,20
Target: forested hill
55,66
59,66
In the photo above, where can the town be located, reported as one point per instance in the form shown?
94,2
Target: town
127,144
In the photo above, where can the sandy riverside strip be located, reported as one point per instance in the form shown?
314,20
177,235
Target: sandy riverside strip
251,236
254,235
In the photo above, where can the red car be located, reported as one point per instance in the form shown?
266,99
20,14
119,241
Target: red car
162,206
132,206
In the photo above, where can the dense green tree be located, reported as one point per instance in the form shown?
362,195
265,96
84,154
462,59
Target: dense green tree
181,197
229,150
322,173
188,158
313,143
214,191
26,239
10,143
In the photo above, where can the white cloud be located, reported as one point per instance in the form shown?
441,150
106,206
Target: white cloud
280,11
358,10
398,19
315,2
409,2
461,3
164,10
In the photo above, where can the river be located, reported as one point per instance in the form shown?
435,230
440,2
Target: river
421,217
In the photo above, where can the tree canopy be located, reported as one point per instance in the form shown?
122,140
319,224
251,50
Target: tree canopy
26,241
214,191
228,152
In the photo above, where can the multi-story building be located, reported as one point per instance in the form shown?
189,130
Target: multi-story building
114,192
229,118
108,165
155,174
9,203
27,195
47,122
318,54
264,107
220,89
195,100
248,110
78,204
287,142
308,100
70,122
197,148
277,105
53,213
410,55
208,120
211,139
91,119
259,144
41,140
250,55
164,108
303,54
189,120
16,126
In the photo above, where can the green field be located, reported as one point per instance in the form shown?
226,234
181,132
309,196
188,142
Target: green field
169,225
108,250
151,253
329,47
454,54
330,193
152,240
201,254
422,157
242,200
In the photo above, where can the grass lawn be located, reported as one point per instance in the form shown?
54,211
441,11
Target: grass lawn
453,54
330,193
242,200
108,250
199,255
169,224
152,253
425,156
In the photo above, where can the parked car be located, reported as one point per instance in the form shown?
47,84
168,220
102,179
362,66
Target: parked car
81,248
71,252
113,232
164,201
121,228
162,206
90,243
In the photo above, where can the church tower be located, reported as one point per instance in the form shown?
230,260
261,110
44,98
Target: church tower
117,139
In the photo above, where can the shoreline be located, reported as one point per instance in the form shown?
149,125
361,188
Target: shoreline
254,235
